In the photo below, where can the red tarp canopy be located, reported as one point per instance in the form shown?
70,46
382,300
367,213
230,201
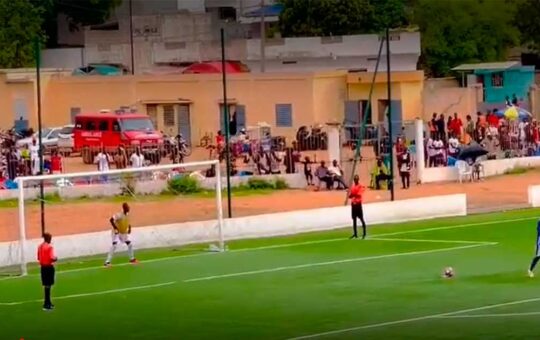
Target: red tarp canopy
215,67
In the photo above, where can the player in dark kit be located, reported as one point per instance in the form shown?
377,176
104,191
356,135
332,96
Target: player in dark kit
46,259
537,253
355,194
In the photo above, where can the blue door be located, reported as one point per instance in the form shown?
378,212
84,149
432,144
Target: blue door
184,122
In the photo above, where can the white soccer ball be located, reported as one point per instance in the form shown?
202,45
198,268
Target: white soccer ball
448,272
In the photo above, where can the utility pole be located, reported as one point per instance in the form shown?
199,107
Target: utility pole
227,121
263,39
37,51
131,36
390,134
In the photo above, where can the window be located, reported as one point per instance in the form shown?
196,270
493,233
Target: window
103,125
90,125
497,79
151,111
116,126
284,115
168,115
137,124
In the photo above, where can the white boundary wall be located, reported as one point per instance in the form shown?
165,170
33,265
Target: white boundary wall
247,227
491,168
150,187
534,196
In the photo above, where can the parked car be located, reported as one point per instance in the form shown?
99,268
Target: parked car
66,141
49,138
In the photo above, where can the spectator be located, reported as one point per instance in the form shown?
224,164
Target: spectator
456,126
26,161
438,145
491,144
405,169
102,160
469,130
433,126
336,173
441,128
307,171
323,176
121,159
137,159
400,146
56,163
12,163
381,174
34,158
453,146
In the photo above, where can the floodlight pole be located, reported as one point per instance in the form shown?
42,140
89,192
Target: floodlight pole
227,120
37,52
390,135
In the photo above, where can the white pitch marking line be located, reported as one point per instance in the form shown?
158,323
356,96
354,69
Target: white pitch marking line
458,226
327,263
501,315
285,245
104,292
426,317
375,238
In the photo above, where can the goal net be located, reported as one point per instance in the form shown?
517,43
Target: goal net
170,206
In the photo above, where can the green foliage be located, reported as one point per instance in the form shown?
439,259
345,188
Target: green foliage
184,185
255,183
280,184
464,31
340,17
20,25
528,23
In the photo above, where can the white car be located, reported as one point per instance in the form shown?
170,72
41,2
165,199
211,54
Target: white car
49,138
65,140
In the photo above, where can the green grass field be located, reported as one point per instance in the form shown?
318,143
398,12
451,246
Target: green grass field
317,285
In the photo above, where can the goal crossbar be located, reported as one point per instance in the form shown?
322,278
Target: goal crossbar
22,180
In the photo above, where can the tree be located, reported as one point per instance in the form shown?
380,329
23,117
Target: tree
340,17
20,25
528,23
461,31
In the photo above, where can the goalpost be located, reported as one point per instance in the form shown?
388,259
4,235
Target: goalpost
81,203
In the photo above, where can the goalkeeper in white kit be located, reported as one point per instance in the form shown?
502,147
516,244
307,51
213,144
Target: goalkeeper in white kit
120,233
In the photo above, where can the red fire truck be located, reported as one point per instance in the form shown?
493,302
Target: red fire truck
94,131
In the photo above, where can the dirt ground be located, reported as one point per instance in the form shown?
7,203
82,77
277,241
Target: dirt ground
501,192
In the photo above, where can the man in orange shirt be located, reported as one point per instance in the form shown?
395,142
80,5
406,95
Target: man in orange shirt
46,259
355,194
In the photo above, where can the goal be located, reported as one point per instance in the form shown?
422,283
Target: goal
171,205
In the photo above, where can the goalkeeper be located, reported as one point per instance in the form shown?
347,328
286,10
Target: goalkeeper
121,232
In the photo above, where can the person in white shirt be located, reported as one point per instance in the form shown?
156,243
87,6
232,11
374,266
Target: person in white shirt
137,159
34,157
337,174
431,152
453,146
102,160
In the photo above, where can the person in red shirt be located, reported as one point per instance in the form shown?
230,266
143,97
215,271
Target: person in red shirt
46,259
355,194
457,125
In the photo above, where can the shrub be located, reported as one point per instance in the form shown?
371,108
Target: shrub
183,185
281,184
259,183
127,185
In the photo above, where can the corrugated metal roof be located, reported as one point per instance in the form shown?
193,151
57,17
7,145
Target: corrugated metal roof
487,66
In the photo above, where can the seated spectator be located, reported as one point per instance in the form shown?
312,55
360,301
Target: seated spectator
322,174
491,144
381,174
336,174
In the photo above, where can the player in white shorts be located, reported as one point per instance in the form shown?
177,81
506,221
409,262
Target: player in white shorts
120,233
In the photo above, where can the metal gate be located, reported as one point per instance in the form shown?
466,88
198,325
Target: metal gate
184,122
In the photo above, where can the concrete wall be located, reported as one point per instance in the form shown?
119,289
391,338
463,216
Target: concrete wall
247,227
150,187
491,168
314,97
443,95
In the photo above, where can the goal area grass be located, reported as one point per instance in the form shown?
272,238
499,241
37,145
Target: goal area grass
315,285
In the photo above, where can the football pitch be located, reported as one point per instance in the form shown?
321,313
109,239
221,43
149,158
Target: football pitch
308,286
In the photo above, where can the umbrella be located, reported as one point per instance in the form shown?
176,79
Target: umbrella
472,152
523,114
511,113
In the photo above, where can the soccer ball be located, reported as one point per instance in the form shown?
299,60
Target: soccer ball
448,272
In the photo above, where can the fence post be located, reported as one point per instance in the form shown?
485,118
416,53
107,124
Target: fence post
334,147
419,143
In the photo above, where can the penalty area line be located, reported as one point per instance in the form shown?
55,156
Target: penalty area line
103,292
420,318
327,263
498,315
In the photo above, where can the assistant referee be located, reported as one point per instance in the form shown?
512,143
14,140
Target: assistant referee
46,259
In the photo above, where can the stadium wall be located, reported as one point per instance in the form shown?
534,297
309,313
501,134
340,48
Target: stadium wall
491,168
248,227
150,187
